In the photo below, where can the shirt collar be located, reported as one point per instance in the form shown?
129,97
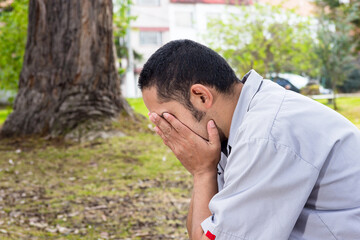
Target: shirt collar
252,82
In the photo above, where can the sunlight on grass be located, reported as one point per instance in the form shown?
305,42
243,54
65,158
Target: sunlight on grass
138,105
107,185
122,186
3,115
348,107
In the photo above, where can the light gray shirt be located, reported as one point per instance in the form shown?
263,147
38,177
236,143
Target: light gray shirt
293,171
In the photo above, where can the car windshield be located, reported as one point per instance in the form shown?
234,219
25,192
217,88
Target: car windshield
297,80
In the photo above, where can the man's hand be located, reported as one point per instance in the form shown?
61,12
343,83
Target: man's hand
200,158
197,155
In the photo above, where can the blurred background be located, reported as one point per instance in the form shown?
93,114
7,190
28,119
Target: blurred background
307,38
79,159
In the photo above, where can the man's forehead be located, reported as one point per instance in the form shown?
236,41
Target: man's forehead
149,95
154,104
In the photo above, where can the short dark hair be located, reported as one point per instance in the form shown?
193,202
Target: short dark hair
179,64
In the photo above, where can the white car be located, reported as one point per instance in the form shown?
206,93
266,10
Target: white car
325,90
290,81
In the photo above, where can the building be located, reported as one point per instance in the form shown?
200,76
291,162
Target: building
161,21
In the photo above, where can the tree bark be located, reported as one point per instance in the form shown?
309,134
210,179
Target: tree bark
69,74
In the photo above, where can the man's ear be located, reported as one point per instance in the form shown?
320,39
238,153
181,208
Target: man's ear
201,96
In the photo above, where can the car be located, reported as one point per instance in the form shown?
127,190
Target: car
290,81
325,90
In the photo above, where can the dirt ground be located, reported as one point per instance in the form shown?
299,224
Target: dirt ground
128,187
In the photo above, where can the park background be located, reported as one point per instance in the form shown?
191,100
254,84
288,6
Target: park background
78,157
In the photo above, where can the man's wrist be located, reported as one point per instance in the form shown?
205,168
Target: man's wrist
205,187
205,177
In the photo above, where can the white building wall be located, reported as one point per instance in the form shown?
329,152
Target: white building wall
182,21
174,21
150,19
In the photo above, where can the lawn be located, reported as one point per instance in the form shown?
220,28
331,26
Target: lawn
138,105
3,114
128,187
348,107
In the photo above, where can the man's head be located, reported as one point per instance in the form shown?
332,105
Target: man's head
184,71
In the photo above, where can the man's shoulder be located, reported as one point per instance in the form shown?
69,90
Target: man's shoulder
262,112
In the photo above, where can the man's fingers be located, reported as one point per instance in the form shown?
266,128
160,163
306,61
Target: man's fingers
162,124
158,131
164,138
214,138
176,124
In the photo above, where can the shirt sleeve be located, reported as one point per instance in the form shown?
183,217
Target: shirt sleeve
266,187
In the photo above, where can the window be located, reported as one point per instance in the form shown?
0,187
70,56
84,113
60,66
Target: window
184,19
150,38
149,2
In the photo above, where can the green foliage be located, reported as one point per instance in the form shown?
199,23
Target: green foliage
334,49
331,3
266,38
121,17
13,30
121,21
335,9
352,83
312,89
336,45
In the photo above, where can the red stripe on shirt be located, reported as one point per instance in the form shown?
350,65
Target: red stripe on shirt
210,235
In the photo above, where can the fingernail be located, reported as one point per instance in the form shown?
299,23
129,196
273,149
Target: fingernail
151,117
166,115
154,116
212,124
149,114
156,129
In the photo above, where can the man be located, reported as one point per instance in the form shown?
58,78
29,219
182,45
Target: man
267,163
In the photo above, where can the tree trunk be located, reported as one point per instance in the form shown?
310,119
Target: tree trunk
69,74
334,94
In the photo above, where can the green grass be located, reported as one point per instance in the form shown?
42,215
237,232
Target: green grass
138,105
128,187
348,107
3,115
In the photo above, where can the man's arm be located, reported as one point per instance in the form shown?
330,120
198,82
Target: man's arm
205,187
189,216
200,158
